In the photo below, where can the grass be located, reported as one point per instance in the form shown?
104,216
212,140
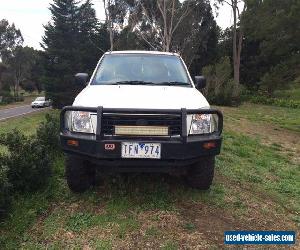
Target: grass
282,117
257,187
247,161
26,124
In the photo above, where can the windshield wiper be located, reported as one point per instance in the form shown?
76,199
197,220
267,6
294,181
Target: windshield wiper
173,83
132,83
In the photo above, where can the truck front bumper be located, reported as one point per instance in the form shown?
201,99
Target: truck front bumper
175,152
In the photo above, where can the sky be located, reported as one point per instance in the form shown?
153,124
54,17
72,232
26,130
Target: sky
30,15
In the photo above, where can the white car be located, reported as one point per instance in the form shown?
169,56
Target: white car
40,102
140,112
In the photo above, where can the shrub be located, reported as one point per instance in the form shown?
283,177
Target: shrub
4,190
260,99
28,162
220,89
48,133
281,75
6,97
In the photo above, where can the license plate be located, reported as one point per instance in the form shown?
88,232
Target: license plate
141,150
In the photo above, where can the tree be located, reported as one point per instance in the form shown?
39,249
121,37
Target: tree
115,11
197,36
172,16
10,38
129,40
237,36
157,21
272,43
220,85
3,68
19,66
71,44
108,20
37,72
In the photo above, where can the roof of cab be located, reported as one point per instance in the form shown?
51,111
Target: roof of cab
142,52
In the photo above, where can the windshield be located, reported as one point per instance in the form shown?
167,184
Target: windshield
141,69
40,99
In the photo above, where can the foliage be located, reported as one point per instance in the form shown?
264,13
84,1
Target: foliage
4,190
220,88
10,38
187,27
271,51
292,93
19,64
6,97
281,75
48,134
129,40
261,99
71,45
28,162
197,36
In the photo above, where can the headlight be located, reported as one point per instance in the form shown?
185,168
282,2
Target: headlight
81,122
201,124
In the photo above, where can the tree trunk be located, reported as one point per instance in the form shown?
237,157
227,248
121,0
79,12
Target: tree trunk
107,4
111,38
236,76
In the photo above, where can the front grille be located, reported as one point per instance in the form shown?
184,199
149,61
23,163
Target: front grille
109,121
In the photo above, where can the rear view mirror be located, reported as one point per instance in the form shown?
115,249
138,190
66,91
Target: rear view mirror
200,82
81,79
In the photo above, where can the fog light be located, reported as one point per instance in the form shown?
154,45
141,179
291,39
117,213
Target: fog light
73,143
209,145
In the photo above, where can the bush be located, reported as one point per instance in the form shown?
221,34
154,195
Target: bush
6,97
19,98
282,75
28,162
48,133
260,99
4,190
220,89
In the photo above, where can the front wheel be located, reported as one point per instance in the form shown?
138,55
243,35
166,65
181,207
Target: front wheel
200,175
80,174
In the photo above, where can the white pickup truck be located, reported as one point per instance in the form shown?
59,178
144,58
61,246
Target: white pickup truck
140,111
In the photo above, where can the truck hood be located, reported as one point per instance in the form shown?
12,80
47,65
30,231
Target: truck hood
143,97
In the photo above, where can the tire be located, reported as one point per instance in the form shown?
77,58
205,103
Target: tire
200,175
80,174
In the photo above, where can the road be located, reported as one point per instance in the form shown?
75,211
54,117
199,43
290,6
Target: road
17,111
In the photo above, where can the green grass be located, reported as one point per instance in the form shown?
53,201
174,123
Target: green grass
279,116
27,124
28,207
246,160
170,245
131,209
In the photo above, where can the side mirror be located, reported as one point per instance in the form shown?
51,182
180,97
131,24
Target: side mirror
200,82
81,79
